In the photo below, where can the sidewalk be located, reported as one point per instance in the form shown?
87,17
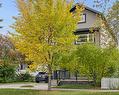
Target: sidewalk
34,86
44,86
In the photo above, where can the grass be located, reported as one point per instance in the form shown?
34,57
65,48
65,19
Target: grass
36,92
77,86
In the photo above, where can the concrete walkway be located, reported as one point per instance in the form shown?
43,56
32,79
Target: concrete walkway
44,86
35,86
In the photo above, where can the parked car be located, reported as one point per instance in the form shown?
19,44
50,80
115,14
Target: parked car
41,77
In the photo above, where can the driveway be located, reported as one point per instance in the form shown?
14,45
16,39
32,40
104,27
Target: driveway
37,86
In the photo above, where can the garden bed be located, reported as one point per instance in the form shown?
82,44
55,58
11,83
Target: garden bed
77,86
75,82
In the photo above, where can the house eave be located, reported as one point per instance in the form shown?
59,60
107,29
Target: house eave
86,7
86,30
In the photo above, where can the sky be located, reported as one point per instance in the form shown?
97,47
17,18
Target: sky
9,9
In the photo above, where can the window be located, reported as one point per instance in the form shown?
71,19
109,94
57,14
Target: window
83,38
83,18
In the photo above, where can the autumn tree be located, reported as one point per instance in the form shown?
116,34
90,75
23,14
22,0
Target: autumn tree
7,51
109,19
113,20
8,60
102,4
44,28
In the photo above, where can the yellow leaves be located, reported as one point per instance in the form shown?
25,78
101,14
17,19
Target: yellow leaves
24,9
33,67
65,41
44,28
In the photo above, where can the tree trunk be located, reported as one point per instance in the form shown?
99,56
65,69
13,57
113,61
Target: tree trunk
49,77
95,79
49,81
76,75
58,78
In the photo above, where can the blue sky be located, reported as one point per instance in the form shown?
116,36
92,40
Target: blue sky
9,9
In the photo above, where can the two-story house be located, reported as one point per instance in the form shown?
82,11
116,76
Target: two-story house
87,31
87,27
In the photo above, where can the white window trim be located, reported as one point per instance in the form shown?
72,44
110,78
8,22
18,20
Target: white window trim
83,18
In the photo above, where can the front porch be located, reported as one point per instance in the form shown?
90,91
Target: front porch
65,77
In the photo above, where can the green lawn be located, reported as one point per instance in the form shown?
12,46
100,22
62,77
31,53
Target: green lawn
34,92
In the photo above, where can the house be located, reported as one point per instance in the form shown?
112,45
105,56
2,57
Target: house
88,30
91,28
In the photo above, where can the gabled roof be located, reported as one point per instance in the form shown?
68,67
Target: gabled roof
86,7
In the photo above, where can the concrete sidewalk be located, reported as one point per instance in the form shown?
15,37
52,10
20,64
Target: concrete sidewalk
35,86
44,86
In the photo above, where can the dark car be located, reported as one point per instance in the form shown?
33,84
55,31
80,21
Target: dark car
41,77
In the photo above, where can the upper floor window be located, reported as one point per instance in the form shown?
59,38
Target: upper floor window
84,38
83,18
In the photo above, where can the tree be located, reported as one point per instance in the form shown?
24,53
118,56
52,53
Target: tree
113,20
109,19
67,61
8,60
44,27
101,4
96,62
70,62
7,51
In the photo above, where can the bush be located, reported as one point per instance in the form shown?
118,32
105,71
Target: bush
96,62
7,73
24,77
